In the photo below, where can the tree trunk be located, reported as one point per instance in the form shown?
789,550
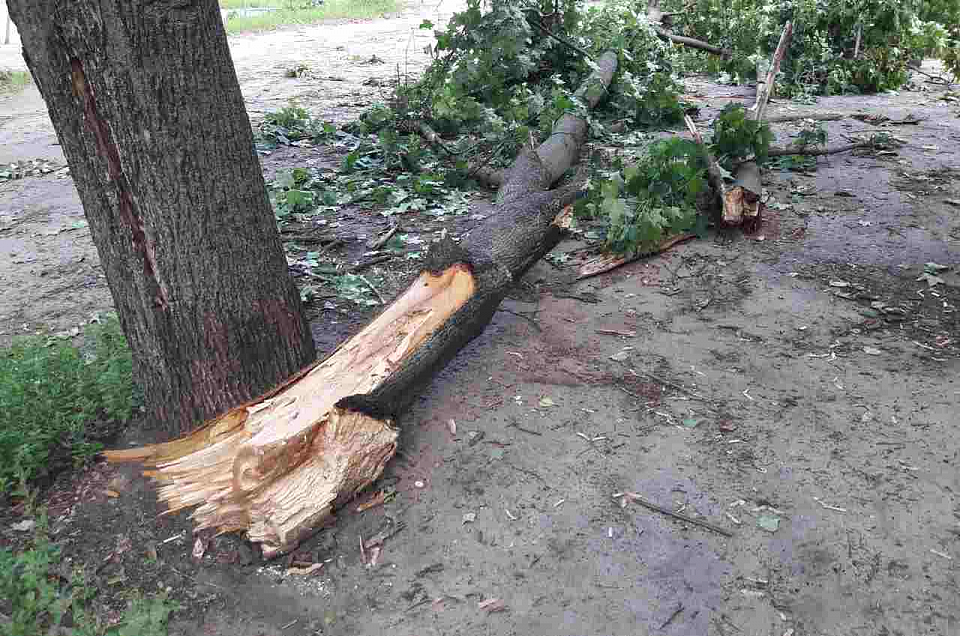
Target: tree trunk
278,467
148,111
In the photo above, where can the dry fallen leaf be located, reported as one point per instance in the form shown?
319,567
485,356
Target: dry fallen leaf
198,548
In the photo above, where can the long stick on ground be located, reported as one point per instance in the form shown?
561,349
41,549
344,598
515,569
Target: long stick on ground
632,496
278,467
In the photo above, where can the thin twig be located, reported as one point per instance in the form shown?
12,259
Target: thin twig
519,315
673,385
371,262
380,242
375,290
632,496
672,616
537,22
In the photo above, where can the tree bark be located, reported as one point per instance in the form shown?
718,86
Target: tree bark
146,105
279,466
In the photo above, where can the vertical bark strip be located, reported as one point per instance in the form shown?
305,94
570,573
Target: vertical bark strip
127,208
147,107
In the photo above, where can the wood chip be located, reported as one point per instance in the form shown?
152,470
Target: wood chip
492,605
374,501
305,571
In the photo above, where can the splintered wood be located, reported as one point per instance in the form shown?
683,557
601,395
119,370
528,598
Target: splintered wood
277,467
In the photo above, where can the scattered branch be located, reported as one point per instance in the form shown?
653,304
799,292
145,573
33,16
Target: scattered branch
816,152
692,43
780,119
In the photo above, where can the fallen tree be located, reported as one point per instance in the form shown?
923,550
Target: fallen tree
279,466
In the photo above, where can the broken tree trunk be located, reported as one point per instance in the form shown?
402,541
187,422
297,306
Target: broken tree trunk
279,466
741,202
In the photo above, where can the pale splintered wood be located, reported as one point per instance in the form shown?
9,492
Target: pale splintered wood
278,466
608,261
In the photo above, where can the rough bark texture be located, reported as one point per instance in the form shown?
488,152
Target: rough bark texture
278,467
148,110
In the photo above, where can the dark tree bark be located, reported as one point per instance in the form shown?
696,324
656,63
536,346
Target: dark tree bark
147,107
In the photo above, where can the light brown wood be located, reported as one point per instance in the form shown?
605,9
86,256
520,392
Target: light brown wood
232,468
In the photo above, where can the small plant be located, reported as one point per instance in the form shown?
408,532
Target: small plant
35,599
14,81
56,401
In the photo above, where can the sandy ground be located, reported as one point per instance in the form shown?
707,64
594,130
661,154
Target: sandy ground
797,387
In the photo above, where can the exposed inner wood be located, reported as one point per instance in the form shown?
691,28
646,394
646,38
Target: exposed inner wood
231,467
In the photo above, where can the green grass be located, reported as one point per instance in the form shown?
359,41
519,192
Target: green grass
14,81
295,12
56,401
247,4
35,598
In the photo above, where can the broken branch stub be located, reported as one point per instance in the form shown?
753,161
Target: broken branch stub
741,203
278,467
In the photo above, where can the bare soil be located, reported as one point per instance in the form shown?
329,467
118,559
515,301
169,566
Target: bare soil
797,387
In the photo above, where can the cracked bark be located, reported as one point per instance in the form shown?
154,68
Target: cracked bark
148,111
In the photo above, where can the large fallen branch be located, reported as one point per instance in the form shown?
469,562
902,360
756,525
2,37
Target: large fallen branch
819,152
278,467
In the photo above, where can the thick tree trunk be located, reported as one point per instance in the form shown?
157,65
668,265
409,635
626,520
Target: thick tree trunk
146,104
278,467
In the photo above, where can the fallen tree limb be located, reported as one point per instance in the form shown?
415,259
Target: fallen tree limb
691,42
780,119
714,173
278,467
817,152
656,17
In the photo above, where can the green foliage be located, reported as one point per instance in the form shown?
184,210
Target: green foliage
36,599
651,200
290,125
52,394
811,135
510,72
838,46
736,137
14,81
288,12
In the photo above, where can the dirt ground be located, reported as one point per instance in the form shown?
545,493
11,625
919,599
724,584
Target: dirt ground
796,387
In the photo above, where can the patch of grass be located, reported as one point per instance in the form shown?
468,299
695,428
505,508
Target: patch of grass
251,4
36,598
14,81
56,401
303,12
